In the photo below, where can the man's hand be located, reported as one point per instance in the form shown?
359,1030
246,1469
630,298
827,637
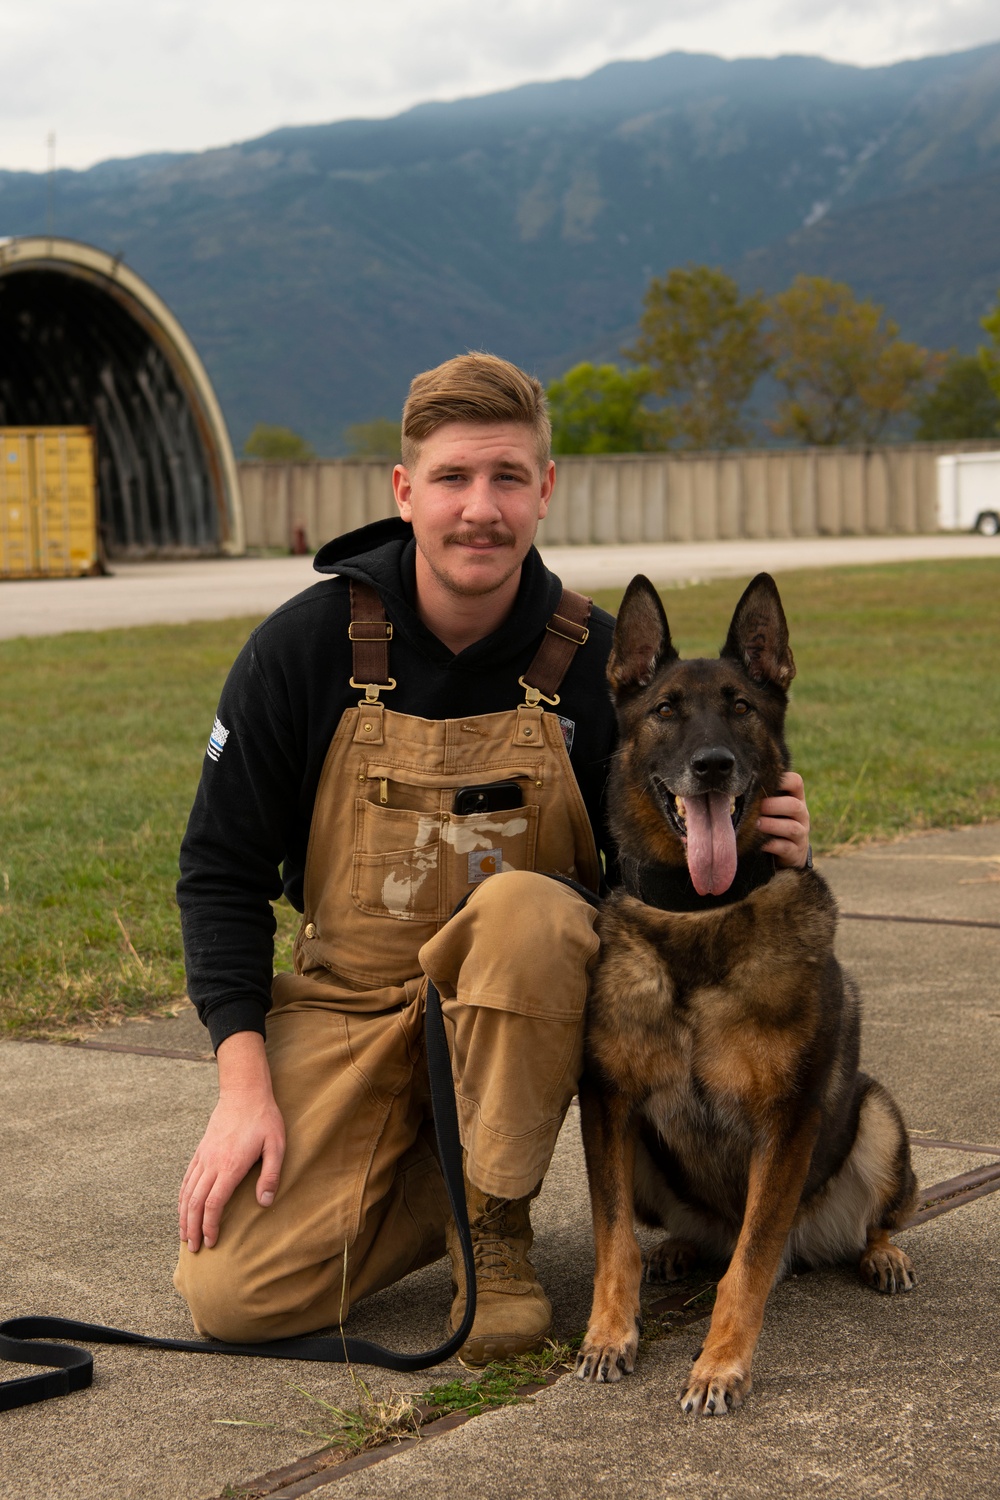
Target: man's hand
786,819
246,1126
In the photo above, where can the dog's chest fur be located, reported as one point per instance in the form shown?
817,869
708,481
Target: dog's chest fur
701,1018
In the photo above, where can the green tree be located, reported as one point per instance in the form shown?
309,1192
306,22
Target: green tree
277,442
598,409
705,348
963,404
378,439
989,355
845,372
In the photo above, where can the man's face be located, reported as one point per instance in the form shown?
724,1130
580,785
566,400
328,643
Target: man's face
475,497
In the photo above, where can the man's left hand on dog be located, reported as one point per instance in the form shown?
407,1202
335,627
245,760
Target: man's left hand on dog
786,819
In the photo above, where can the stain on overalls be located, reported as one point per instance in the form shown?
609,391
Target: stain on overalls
388,861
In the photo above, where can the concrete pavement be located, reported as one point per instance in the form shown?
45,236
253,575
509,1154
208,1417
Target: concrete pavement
855,1394
171,593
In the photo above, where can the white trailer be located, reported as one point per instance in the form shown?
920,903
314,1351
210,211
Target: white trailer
968,487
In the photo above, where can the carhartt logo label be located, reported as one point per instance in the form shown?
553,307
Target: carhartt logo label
483,863
217,740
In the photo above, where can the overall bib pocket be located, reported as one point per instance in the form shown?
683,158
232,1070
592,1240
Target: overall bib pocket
415,863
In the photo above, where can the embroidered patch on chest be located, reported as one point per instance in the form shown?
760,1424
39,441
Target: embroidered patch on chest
483,863
217,740
568,728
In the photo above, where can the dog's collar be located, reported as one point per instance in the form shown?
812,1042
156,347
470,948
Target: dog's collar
669,887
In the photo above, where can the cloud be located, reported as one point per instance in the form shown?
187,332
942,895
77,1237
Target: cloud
115,78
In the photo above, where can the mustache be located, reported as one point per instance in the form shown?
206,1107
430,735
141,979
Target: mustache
494,537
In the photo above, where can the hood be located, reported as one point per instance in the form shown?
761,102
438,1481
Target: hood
383,554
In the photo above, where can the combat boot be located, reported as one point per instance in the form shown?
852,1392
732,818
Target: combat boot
513,1314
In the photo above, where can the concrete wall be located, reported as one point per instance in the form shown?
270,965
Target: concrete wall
649,497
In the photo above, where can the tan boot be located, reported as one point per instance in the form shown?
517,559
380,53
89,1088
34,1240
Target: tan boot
513,1314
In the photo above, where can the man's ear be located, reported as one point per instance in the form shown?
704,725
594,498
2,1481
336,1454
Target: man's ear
758,635
402,489
642,641
548,484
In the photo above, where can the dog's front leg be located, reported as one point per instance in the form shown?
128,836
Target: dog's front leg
609,1348
720,1377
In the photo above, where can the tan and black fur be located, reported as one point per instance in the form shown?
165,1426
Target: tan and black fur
721,1095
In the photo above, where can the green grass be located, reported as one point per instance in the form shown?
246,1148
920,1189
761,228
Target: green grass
103,736
895,724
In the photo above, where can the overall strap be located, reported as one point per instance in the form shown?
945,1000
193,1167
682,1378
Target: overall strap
369,633
565,633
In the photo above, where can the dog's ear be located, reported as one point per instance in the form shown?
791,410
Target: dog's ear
642,638
758,635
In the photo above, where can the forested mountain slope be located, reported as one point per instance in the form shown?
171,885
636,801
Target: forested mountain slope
317,267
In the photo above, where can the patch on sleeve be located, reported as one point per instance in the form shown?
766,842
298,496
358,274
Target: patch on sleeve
568,728
217,740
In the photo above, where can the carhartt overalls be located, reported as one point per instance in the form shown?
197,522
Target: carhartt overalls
387,863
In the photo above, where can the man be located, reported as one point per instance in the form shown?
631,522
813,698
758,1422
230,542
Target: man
383,811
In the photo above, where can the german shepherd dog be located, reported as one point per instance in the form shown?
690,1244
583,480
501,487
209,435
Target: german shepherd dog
721,1096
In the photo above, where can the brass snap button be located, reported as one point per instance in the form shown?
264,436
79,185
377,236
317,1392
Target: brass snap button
310,930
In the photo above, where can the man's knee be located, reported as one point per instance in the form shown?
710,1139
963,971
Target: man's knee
523,944
525,903
224,1303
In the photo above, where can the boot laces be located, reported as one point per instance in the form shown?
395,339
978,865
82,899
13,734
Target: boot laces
495,1258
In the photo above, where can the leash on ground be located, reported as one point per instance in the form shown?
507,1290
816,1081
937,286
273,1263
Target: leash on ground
74,1368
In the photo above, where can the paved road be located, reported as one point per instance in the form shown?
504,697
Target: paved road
223,588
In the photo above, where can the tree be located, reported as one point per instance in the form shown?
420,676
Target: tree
277,442
989,358
378,439
705,349
963,404
598,409
845,371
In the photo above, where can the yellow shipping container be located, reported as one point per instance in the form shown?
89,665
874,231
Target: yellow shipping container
48,502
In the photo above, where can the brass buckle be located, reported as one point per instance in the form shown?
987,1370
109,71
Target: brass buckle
577,640
380,625
372,689
533,696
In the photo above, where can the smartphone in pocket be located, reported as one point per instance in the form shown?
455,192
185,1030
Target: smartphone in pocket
493,796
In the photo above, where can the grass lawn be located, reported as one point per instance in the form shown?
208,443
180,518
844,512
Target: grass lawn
895,725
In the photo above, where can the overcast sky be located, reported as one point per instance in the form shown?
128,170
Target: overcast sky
120,77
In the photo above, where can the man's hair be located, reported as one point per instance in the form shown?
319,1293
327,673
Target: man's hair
474,388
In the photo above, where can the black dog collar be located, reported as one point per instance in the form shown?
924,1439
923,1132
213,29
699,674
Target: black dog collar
669,888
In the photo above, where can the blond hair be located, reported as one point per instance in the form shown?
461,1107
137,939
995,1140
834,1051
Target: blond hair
474,388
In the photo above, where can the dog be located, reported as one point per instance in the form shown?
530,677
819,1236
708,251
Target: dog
721,1097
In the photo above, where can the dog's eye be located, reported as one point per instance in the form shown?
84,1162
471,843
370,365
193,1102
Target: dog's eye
741,706
665,710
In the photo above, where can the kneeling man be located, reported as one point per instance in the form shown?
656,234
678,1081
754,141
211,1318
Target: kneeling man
431,724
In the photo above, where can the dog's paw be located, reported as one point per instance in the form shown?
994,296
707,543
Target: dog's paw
670,1260
604,1360
886,1268
714,1391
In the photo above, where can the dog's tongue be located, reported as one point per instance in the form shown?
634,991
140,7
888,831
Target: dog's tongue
711,843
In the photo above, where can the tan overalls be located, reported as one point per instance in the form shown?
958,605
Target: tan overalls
387,863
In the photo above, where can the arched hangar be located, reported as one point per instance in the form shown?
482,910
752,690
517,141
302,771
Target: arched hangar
85,342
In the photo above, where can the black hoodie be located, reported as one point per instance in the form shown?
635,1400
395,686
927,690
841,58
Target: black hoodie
281,704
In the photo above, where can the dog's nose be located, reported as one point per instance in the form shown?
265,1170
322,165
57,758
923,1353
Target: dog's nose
715,761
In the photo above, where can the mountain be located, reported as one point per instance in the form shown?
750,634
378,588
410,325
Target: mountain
318,267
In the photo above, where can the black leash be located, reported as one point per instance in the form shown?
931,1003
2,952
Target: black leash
74,1368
